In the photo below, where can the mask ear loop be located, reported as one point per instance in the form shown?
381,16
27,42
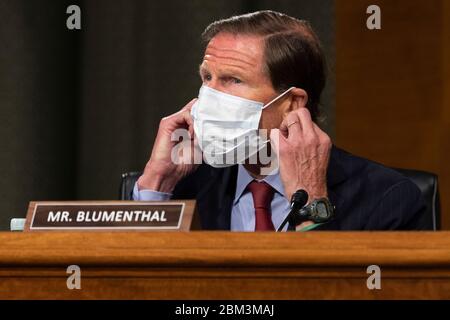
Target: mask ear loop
273,101
277,98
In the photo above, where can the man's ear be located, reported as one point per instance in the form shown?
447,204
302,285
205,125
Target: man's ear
298,98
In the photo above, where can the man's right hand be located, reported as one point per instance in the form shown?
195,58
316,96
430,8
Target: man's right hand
161,172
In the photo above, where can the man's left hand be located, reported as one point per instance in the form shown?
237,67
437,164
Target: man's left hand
303,154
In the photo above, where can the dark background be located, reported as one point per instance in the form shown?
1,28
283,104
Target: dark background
79,107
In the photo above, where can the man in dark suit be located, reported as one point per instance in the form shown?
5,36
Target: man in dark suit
265,71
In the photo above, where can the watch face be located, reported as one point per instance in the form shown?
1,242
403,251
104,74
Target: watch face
322,211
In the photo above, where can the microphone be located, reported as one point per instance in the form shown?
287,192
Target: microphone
298,201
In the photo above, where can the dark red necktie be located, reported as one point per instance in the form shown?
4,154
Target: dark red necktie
262,197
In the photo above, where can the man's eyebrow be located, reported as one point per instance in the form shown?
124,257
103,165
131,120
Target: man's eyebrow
202,70
234,73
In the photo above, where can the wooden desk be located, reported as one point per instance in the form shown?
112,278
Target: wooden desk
225,265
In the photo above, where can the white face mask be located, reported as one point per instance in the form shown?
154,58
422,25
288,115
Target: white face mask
226,126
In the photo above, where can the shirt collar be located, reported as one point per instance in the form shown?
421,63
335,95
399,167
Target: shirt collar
244,178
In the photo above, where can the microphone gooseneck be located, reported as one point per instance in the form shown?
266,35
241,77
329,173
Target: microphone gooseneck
298,201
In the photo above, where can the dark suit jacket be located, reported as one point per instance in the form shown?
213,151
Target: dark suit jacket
367,195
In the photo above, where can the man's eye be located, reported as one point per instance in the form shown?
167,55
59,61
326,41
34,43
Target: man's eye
207,77
236,80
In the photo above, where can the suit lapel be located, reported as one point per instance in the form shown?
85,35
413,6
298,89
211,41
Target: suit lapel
215,198
216,194
336,174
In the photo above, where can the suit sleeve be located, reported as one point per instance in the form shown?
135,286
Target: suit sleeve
401,208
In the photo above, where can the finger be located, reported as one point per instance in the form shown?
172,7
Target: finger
190,104
188,118
182,119
183,116
277,140
293,125
306,121
191,128
283,128
323,137
188,108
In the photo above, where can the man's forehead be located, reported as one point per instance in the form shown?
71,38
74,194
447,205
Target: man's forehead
240,49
